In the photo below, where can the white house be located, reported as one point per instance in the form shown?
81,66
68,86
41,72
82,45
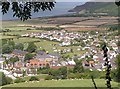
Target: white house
1,62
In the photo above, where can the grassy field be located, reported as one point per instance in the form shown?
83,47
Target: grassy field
41,43
40,76
63,83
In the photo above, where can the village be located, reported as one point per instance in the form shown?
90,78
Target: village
92,59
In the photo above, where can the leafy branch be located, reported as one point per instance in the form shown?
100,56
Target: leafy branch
23,10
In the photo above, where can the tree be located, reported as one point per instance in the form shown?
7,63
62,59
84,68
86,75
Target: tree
33,78
117,2
5,62
31,47
60,73
4,41
28,56
3,79
47,66
78,68
14,59
63,72
55,73
23,10
19,46
117,71
12,43
7,48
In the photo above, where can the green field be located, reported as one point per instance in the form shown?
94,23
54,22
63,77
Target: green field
39,76
63,83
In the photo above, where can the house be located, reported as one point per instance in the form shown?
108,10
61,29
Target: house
37,63
1,62
47,57
71,63
19,65
114,46
85,63
65,43
91,63
31,72
56,67
18,73
21,54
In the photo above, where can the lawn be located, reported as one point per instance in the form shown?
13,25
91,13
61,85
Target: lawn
47,45
63,83
6,37
40,76
25,40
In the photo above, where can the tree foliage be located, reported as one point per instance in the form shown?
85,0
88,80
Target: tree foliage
19,46
23,9
7,48
117,2
34,78
3,79
78,67
14,59
117,71
28,56
31,47
60,73
12,43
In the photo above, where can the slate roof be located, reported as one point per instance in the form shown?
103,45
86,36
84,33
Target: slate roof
44,55
19,52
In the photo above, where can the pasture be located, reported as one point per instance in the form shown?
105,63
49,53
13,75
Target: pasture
85,83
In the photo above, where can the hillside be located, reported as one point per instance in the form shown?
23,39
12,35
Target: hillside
107,8
57,84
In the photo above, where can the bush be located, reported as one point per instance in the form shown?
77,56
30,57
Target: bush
33,78
85,76
3,80
71,76
49,77
9,80
19,80
28,29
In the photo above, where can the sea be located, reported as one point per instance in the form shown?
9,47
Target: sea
60,8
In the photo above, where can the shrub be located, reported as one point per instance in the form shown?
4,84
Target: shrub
85,76
28,29
33,78
49,77
71,76
3,80
19,80
9,80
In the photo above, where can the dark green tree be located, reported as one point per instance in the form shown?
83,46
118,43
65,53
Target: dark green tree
31,47
3,79
12,43
23,9
19,46
63,72
13,60
7,48
117,71
28,56
4,41
33,78
78,67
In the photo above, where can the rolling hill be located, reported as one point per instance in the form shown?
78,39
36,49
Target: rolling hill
106,8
